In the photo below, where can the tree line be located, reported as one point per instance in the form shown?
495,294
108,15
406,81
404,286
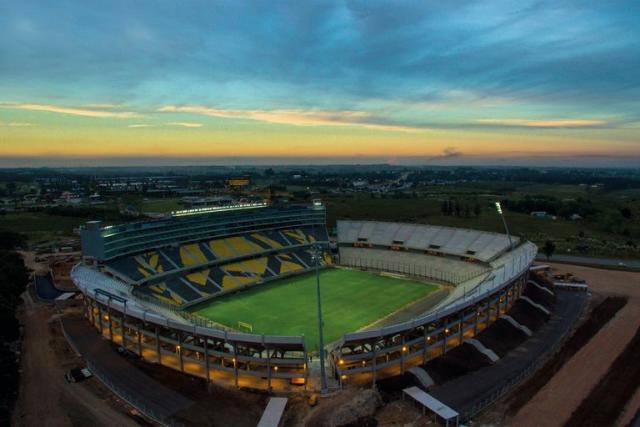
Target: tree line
453,207
14,278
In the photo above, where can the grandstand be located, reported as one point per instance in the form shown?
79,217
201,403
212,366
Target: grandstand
148,284
179,266
447,242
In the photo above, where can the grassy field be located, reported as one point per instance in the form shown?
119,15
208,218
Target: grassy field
350,300
162,205
40,227
564,233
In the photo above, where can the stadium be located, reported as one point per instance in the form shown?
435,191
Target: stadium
228,294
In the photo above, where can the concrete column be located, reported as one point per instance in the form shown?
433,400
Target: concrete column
139,340
158,348
110,320
488,311
402,352
100,318
475,320
425,345
206,358
123,329
235,364
374,363
506,297
180,351
306,368
268,370
445,326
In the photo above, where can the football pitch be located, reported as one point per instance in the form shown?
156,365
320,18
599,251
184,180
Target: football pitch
350,300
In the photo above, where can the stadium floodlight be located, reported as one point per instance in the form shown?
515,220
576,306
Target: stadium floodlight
499,209
317,258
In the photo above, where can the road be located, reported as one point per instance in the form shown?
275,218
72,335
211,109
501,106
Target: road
632,264
45,398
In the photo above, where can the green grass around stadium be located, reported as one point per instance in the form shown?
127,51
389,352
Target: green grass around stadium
351,300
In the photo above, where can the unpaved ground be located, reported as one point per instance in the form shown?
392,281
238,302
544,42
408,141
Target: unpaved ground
45,398
554,403
403,413
29,258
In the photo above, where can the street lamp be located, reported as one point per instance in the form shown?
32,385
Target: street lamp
499,209
317,259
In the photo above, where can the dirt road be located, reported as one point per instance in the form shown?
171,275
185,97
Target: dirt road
554,403
45,398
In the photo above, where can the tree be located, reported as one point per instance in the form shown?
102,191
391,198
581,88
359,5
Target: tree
549,248
445,208
477,210
10,240
11,188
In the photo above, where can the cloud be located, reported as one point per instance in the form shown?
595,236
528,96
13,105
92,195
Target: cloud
297,117
557,123
15,124
86,112
447,153
186,124
139,125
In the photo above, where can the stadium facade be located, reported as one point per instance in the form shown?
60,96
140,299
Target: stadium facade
139,279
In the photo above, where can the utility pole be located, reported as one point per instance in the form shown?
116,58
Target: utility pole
317,258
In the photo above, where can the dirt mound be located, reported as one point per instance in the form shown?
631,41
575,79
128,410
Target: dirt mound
527,315
393,386
501,337
538,295
352,409
402,413
459,361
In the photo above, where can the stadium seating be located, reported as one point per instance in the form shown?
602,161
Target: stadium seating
435,267
480,245
191,271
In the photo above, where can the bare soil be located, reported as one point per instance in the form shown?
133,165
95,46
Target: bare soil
600,315
607,400
554,403
45,399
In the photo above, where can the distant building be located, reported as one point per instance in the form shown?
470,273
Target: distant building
238,182
539,214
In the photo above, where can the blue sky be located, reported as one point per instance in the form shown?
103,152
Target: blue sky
378,80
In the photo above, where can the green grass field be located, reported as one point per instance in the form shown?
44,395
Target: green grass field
40,227
350,300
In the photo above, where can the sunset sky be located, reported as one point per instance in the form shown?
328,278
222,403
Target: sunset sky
441,82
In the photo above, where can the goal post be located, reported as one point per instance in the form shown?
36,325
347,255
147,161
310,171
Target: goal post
245,327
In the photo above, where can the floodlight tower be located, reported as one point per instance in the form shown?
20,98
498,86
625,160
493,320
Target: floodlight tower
317,259
499,209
